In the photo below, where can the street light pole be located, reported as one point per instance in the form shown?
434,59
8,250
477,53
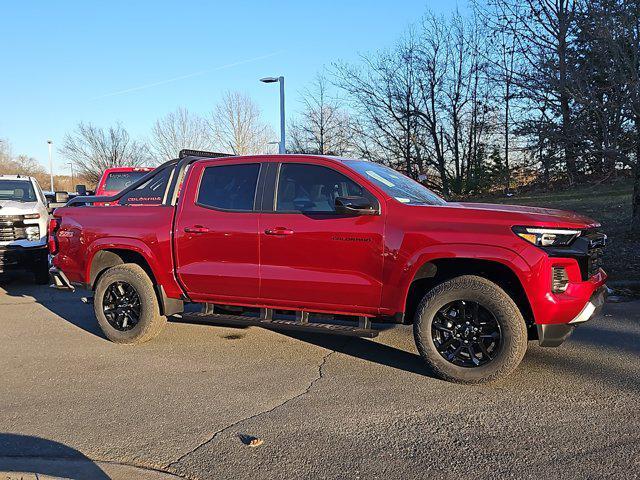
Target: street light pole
49,142
282,147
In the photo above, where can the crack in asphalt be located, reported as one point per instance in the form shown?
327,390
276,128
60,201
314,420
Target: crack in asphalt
216,434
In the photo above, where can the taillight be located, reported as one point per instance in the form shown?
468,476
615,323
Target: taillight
52,242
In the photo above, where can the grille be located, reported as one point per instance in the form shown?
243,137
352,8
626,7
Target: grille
11,228
597,242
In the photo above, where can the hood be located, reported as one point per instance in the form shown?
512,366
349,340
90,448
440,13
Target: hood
12,207
534,216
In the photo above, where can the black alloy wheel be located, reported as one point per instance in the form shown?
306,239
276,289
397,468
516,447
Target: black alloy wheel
466,334
121,306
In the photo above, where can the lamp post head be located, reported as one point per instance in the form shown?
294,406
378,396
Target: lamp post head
269,79
49,142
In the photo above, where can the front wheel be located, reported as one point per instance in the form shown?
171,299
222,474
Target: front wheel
469,330
126,305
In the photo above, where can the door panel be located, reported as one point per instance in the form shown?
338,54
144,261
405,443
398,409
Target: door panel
317,259
216,237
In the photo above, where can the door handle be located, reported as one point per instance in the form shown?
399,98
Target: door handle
278,231
196,229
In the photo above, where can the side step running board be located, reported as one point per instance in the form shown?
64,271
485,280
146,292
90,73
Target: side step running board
301,323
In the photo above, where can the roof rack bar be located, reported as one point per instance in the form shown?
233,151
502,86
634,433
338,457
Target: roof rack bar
185,152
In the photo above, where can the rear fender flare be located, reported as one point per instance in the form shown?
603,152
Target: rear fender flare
120,243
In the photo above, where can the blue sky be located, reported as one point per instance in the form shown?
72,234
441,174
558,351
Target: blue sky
71,61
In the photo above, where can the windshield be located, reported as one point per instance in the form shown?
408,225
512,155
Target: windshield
402,188
117,181
17,190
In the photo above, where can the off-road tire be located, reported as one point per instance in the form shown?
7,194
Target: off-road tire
150,323
493,298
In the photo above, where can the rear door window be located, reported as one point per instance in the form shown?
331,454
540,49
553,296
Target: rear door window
229,187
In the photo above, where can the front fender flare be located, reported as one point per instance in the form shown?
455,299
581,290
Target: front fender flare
403,277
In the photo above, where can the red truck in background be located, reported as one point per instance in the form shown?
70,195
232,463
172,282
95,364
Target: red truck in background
116,179
331,245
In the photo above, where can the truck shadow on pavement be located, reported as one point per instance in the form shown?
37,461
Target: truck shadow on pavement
21,290
25,454
620,334
364,349
368,350
69,307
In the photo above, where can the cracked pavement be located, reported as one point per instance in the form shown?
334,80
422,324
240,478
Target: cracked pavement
325,406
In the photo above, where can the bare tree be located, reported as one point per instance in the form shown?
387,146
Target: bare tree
384,94
237,127
20,165
626,51
544,31
503,64
92,150
423,104
322,127
433,58
178,130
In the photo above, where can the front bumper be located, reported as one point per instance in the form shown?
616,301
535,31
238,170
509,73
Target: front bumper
553,335
22,258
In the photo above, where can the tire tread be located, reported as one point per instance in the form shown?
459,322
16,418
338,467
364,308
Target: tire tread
150,326
510,358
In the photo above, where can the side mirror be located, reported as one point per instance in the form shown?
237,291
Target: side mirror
81,189
62,197
355,206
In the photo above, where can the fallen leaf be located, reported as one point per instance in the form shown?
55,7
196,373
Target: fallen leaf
256,442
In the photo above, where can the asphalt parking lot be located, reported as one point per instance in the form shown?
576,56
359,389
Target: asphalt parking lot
184,405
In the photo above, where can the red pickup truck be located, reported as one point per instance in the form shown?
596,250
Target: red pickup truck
116,179
332,245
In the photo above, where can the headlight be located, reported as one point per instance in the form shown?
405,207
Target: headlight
547,237
33,233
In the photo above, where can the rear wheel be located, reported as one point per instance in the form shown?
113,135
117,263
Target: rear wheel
126,305
468,330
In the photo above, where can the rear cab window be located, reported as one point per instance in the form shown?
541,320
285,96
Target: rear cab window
151,192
